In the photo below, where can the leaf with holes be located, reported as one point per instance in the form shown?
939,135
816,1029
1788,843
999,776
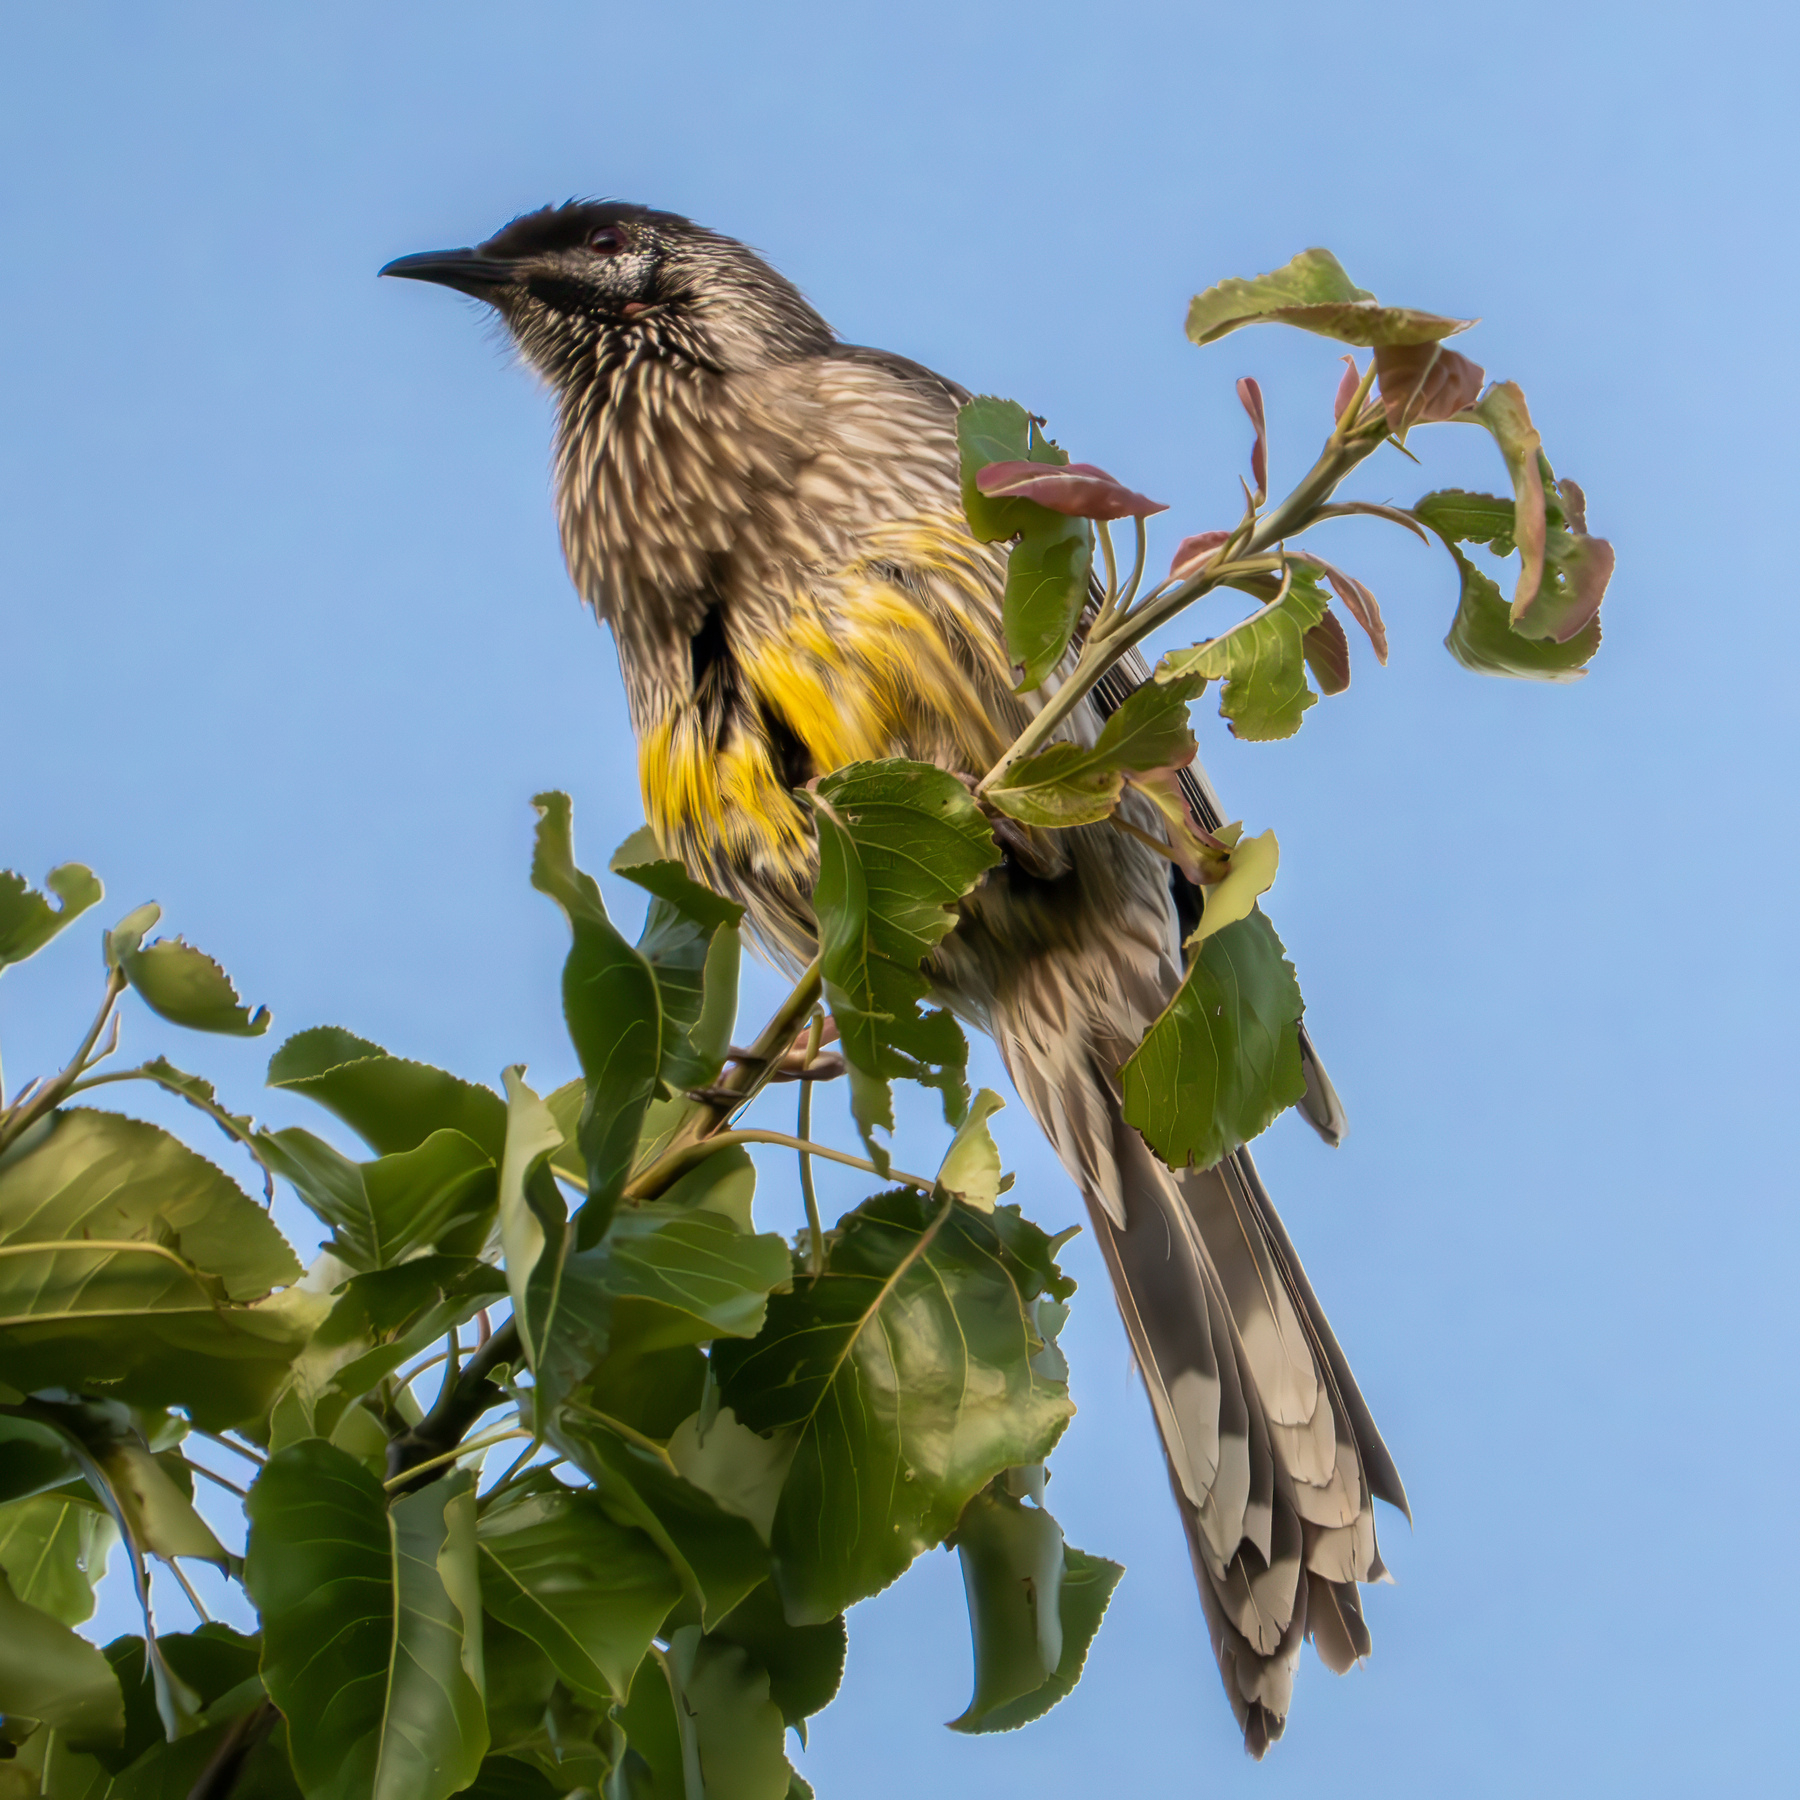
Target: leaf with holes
1482,635
906,1371
1482,638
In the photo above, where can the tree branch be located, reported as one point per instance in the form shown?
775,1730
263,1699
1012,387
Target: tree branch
457,1408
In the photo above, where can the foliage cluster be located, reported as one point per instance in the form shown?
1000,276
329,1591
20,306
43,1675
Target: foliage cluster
715,1442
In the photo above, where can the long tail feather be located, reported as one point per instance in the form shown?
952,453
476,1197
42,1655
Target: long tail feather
1273,1457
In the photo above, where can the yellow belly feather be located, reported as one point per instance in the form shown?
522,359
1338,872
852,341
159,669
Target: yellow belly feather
856,668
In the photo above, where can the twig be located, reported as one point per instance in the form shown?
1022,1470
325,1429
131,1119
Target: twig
226,1764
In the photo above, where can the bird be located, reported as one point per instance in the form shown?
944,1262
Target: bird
769,519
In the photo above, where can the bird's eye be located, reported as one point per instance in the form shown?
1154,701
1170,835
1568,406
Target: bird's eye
607,241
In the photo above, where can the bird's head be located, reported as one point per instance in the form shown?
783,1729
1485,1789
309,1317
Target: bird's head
579,285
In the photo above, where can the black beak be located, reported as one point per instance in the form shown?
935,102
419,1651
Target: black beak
468,271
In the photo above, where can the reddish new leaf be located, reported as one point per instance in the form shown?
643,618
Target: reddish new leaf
1424,384
1346,391
1078,490
1327,653
1251,395
1359,603
1193,553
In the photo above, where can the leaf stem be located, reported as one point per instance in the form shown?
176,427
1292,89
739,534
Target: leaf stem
37,1100
243,1450
187,1587
670,1168
803,1129
1159,845
1137,567
219,1116
456,1453
629,1433
739,1085
231,1487
1249,551
1110,600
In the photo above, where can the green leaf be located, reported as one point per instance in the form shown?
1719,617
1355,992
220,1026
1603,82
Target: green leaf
384,1212
804,1663
741,1469
1262,661
1082,1596
900,844
395,1711
34,1457
1012,1565
1314,293
54,1548
718,1557
507,1778
906,1371
1223,1061
1069,785
1459,517
971,1166
589,1592
178,982
48,1673
690,939
390,1103
613,1013
129,1262
731,1731
376,1322
219,1669
28,921
1047,573
651,1768
1482,637
667,1273
160,1517
518,1678
533,1218
1562,571
990,430
1249,875
1047,578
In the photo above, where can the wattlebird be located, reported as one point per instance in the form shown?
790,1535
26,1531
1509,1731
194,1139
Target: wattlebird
770,521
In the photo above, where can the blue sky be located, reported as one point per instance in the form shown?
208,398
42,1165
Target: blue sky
285,644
